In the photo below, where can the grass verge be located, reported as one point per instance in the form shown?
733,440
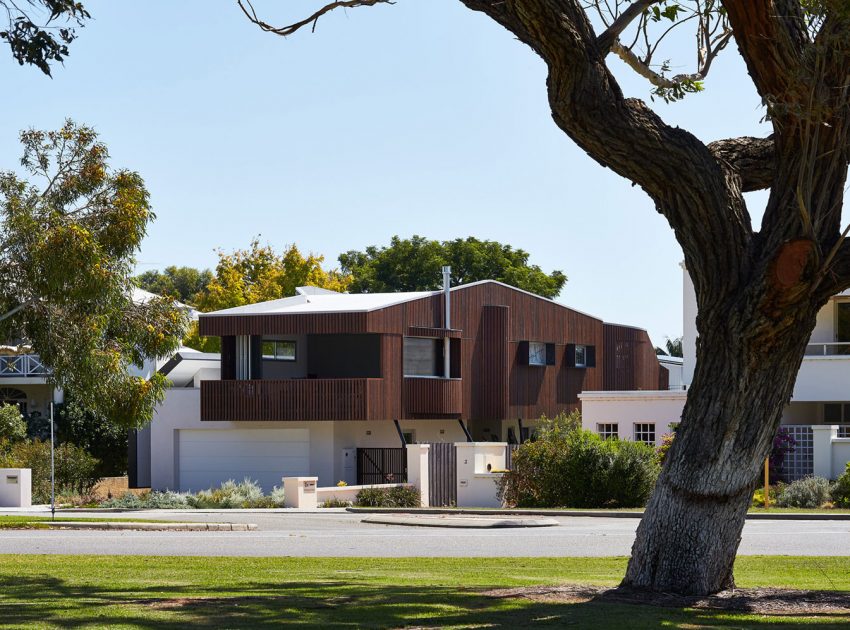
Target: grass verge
42,522
135,591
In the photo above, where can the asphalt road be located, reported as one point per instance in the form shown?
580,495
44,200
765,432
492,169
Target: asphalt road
332,533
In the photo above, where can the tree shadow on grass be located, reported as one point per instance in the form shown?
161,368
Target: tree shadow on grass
46,600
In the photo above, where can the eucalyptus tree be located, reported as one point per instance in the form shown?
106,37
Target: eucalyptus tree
758,287
38,31
68,236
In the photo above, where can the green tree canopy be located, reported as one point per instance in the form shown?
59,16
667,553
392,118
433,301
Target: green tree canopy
258,274
185,284
415,264
69,236
34,33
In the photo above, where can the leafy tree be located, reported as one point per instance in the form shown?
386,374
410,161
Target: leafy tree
415,264
66,254
673,347
38,39
257,274
758,290
185,284
100,436
12,425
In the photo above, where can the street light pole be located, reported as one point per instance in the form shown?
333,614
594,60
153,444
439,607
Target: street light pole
52,469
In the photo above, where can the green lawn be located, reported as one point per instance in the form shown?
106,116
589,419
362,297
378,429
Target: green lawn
142,592
42,522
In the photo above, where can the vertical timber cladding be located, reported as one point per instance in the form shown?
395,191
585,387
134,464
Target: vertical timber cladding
532,391
495,362
629,361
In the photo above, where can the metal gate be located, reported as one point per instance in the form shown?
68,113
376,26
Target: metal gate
381,465
442,475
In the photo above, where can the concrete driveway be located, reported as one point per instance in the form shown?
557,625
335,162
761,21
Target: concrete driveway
338,533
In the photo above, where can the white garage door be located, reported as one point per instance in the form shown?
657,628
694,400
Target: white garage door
208,457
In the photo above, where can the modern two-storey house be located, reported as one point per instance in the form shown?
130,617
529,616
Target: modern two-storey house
817,417
304,381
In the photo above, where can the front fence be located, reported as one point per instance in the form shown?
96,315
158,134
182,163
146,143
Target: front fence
381,465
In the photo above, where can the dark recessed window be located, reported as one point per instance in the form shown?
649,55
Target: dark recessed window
279,350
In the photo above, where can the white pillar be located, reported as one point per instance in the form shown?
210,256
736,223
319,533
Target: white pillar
822,436
417,469
300,492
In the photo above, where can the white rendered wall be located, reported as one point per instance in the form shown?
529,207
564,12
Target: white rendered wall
628,408
181,410
823,379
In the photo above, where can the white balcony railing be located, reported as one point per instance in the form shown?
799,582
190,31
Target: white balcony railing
22,365
835,348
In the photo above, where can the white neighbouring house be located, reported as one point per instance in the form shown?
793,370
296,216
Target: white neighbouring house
818,416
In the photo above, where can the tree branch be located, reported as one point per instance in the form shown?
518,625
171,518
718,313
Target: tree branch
686,181
251,14
771,36
18,309
752,159
605,41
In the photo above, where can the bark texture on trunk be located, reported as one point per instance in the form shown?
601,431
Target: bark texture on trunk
745,375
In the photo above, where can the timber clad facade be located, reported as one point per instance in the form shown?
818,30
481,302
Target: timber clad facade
513,355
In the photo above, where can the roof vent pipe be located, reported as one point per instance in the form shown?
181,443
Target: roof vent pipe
447,285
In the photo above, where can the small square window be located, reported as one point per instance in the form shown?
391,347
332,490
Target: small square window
279,350
645,432
608,430
581,356
536,353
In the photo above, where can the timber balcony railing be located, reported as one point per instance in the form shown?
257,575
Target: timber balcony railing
293,399
836,348
425,396
18,365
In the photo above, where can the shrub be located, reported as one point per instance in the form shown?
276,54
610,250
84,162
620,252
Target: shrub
808,492
841,489
167,500
74,467
580,469
775,491
230,494
127,501
395,497
12,425
783,444
664,447
335,503
277,496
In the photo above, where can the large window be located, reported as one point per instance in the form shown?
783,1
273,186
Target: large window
423,356
279,350
608,430
645,432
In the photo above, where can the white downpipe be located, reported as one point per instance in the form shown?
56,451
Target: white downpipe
447,285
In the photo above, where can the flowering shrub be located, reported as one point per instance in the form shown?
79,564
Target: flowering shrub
783,444
666,443
808,492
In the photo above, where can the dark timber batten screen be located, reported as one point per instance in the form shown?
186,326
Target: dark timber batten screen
381,465
442,475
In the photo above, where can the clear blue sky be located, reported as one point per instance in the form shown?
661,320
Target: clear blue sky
418,118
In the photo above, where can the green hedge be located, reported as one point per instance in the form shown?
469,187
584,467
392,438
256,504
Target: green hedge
579,469
75,468
395,497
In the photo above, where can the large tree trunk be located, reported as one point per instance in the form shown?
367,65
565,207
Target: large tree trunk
747,364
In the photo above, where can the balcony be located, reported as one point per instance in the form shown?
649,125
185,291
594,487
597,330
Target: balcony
293,399
22,366
824,373
432,397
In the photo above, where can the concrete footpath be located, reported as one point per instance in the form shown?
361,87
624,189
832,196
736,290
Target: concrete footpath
638,514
